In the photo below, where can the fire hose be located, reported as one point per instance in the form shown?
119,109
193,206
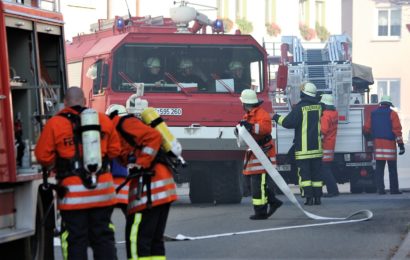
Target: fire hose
244,136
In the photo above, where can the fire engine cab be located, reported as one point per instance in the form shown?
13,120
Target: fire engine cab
327,65
188,74
33,79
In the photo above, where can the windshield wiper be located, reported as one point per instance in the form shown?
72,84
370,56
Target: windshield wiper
175,81
215,77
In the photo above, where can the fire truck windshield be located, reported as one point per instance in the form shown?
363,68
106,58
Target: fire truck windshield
187,68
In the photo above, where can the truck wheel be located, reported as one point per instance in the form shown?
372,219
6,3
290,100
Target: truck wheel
355,186
227,184
200,187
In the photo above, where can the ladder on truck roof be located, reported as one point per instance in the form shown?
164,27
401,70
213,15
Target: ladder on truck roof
327,65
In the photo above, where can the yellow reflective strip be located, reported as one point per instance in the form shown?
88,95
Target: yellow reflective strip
280,120
258,202
145,258
111,226
310,156
302,192
319,137
317,184
158,257
304,130
264,198
308,152
305,183
134,235
64,244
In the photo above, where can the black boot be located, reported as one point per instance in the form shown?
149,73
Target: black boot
258,216
274,206
317,201
309,201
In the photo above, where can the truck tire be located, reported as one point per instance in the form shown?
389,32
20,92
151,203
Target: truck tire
200,187
227,182
355,185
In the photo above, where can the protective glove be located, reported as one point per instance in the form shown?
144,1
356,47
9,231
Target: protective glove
402,150
276,117
246,124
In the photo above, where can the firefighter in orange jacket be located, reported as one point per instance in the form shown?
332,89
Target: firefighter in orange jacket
328,128
259,124
385,129
119,172
148,208
85,210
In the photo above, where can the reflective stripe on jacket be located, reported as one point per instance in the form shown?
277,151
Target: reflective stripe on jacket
385,149
305,119
163,190
57,139
79,197
122,195
262,127
328,128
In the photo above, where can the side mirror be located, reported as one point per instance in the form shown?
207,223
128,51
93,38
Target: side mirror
374,99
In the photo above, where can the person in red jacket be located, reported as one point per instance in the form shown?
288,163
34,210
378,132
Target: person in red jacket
85,210
328,129
147,208
259,124
385,129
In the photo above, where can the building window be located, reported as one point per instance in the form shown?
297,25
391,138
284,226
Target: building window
390,87
388,22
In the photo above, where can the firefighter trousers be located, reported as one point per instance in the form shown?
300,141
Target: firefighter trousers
88,227
263,192
329,179
393,178
310,177
145,233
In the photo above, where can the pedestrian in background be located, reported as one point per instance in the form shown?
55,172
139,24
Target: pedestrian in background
384,127
328,129
305,119
259,124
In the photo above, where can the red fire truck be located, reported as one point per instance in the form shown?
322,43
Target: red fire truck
33,77
201,114
328,65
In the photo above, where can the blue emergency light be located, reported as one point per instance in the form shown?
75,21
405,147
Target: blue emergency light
218,26
120,23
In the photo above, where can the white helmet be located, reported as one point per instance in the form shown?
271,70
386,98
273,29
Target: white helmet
248,96
309,89
115,107
235,65
327,99
386,99
153,62
186,63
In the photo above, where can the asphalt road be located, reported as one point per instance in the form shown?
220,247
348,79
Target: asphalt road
378,238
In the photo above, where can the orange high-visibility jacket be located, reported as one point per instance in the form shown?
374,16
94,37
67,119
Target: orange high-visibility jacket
385,149
57,139
148,140
262,127
328,128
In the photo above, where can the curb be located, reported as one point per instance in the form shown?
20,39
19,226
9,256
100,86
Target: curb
404,250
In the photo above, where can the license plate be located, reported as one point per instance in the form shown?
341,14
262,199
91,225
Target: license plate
175,111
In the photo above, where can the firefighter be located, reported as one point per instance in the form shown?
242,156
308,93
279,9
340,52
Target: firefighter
153,73
328,128
151,192
236,72
85,210
258,123
186,75
119,172
384,127
305,119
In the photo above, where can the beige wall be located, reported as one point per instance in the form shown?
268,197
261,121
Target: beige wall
389,58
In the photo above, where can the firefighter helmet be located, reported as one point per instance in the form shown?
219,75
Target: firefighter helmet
248,96
153,62
186,63
309,89
386,100
327,99
235,65
115,107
